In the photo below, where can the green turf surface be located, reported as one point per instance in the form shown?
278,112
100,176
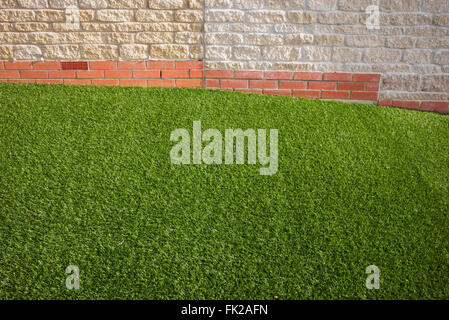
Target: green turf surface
86,180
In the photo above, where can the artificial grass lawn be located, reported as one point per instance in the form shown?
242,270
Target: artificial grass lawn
86,180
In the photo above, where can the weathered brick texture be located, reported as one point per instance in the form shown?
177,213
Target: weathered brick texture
409,48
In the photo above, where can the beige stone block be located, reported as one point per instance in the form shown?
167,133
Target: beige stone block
188,37
189,15
263,39
167,4
223,38
34,4
6,52
265,16
50,15
31,26
47,38
442,20
196,52
381,55
61,51
90,4
27,52
364,41
218,52
400,42
249,4
120,38
302,17
417,56
154,37
435,83
224,16
14,15
322,5
154,15
411,19
441,57
310,53
134,51
285,4
433,43
109,15
400,82
127,4
436,6
281,53
246,52
347,55
169,51
399,5
338,18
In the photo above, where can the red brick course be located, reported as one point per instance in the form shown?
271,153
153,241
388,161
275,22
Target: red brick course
339,86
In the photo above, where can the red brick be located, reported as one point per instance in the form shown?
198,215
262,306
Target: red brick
263,84
175,74
118,74
90,74
105,82
384,103
161,83
308,76
363,95
306,93
435,105
321,85
34,74
77,81
22,81
292,84
366,77
1,65
372,86
284,75
50,81
406,104
226,74
353,86
338,76
248,74
189,82
278,92
243,84
7,74
160,64
61,74
133,82
47,65
18,65
335,95
105,65
196,73
249,90
147,74
131,65
212,83
189,64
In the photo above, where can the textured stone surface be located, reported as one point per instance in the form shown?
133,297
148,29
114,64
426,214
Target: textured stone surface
410,47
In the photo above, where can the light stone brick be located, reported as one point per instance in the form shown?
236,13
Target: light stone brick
381,55
281,53
47,37
154,37
435,83
426,69
196,52
63,4
325,5
189,15
126,4
31,26
328,39
442,57
218,52
436,6
399,5
10,4
108,15
188,37
246,52
400,82
417,56
400,42
317,53
13,15
442,20
224,16
411,19
285,4
195,4
50,15
302,17
27,52
154,15
338,18
134,51
433,43
263,39
61,52
99,51
249,4
84,37
266,16
251,27
169,51
6,52
167,4
93,4
298,39
364,41
347,55
9,27
356,5
223,38
120,38
218,3
33,4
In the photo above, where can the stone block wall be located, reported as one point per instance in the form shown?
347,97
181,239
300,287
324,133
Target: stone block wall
408,47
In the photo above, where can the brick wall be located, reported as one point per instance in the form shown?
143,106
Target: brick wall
409,49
